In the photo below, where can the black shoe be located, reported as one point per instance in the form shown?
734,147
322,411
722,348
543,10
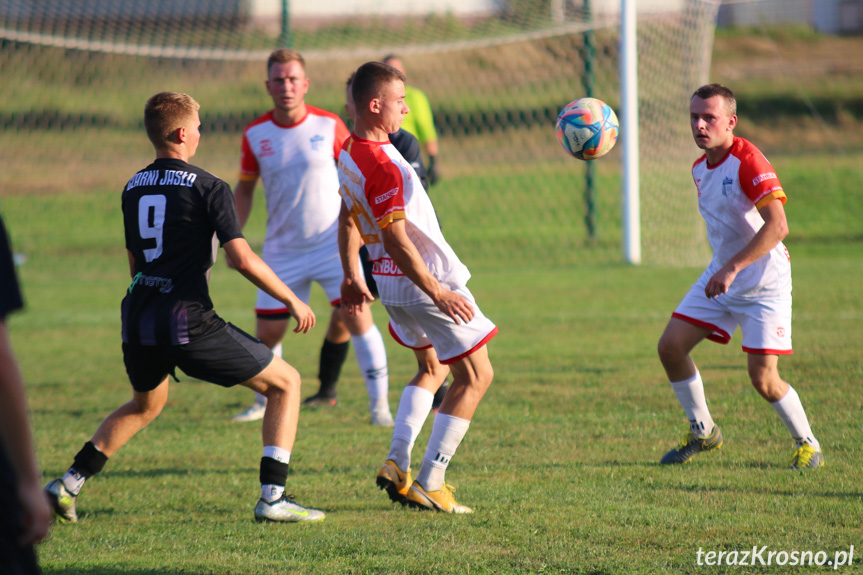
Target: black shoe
320,400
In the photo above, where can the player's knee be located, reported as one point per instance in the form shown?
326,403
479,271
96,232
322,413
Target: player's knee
767,383
283,379
149,408
670,352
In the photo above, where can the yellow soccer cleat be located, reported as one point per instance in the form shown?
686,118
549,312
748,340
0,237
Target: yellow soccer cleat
395,481
440,500
691,445
806,457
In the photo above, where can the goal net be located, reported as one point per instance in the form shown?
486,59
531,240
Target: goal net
76,76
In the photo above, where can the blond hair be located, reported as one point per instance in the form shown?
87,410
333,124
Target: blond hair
164,113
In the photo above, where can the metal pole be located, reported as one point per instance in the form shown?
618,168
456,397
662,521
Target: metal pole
285,39
587,80
629,132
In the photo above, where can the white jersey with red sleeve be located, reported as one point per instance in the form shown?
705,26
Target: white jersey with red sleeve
379,186
297,166
730,194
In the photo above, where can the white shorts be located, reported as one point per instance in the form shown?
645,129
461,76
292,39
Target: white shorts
298,272
765,323
423,325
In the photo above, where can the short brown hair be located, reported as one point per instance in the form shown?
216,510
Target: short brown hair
369,81
283,56
711,90
164,113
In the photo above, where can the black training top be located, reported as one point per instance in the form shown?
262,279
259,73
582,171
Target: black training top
172,213
408,146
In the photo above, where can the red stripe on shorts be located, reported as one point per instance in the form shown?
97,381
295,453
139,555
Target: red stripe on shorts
484,341
718,335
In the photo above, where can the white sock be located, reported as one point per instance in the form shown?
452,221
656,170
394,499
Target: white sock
269,491
446,435
73,481
280,454
690,394
261,399
791,413
372,359
413,410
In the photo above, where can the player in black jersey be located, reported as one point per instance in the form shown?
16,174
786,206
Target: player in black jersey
24,512
173,214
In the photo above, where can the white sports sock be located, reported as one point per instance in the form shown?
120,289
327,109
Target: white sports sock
690,394
414,408
372,359
446,435
260,398
269,491
791,413
280,454
73,481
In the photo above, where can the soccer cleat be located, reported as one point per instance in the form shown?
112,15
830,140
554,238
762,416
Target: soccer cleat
440,500
254,413
285,510
806,457
382,416
691,445
62,501
395,481
318,400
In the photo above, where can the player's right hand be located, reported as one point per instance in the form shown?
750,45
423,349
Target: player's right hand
304,315
35,513
355,294
455,305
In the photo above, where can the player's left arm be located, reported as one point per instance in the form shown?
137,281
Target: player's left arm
404,253
774,230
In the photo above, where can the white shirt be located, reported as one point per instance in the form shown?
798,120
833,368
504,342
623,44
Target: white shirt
296,164
379,186
729,196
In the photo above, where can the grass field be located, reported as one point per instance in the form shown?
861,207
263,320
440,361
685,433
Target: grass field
561,464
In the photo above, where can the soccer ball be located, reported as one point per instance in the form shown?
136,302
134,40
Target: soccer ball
587,128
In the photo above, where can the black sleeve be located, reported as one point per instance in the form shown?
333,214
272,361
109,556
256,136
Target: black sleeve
10,291
409,148
223,213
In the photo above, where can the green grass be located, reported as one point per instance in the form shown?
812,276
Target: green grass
561,461
560,464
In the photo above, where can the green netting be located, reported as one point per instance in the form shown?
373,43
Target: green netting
76,76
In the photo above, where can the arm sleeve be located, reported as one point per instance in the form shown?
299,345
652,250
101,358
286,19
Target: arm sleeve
385,194
249,169
759,181
223,213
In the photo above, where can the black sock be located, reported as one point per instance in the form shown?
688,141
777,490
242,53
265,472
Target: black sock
333,357
273,472
89,461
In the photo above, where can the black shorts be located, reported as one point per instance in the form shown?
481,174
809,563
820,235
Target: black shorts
225,357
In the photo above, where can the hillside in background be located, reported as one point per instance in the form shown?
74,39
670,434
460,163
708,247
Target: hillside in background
796,89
